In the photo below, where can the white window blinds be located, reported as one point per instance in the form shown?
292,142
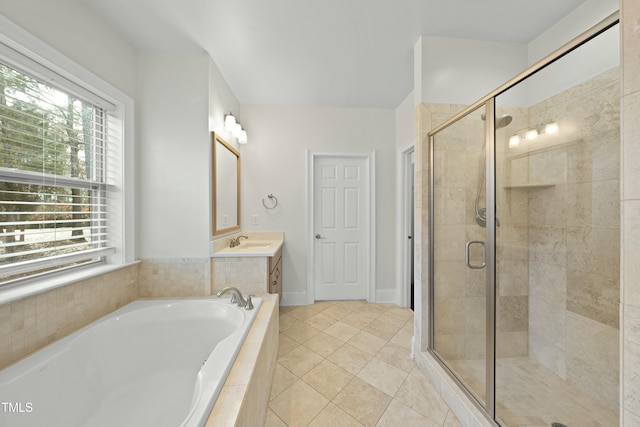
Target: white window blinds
54,168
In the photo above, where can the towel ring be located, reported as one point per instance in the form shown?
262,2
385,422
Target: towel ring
273,199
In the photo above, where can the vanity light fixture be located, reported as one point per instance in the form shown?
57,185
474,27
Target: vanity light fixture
229,122
234,127
531,133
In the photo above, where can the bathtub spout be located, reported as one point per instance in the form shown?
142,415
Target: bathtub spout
236,295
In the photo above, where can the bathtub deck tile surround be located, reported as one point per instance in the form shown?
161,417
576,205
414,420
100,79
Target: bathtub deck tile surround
347,364
31,323
243,400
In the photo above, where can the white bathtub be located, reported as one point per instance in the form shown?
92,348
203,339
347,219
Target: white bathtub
150,363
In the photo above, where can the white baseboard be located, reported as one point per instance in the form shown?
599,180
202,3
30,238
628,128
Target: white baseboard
386,296
294,298
300,298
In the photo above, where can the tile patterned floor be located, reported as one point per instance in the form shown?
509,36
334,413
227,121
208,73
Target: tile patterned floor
347,364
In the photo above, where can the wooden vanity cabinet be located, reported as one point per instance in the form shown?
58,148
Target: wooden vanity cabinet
275,274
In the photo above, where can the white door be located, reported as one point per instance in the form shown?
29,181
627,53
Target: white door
341,229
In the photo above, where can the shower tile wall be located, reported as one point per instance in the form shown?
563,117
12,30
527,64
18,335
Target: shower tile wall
31,323
574,236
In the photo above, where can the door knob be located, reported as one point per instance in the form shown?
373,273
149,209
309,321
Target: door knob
318,236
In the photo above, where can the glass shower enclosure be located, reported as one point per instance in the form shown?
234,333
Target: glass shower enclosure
524,242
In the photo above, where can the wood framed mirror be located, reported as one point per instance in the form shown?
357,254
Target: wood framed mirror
225,161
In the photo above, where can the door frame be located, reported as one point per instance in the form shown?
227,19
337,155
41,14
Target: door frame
370,157
404,229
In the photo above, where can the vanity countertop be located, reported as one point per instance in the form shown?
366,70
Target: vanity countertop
256,244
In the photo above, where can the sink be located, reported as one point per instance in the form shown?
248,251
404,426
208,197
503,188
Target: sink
255,244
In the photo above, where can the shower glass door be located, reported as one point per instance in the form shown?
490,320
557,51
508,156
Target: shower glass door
459,236
557,246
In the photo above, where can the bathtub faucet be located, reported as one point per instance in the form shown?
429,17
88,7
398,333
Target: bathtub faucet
236,297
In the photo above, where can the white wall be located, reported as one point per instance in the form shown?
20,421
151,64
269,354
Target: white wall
582,18
221,101
174,155
461,71
274,161
583,64
405,122
74,30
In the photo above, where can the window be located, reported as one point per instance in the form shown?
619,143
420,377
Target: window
55,156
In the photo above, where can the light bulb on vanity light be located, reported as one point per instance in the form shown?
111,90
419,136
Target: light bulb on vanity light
236,130
531,134
514,141
229,122
242,138
551,128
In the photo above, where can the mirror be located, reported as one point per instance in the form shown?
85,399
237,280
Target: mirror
225,186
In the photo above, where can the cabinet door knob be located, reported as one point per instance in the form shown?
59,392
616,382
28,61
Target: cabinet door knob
318,236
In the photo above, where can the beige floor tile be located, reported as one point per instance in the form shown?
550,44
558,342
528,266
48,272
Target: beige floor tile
362,401
300,360
285,345
282,379
323,344
381,329
374,310
342,331
320,321
332,416
350,358
273,420
337,312
286,309
301,333
399,415
383,376
328,378
304,312
403,338
452,420
352,305
399,312
418,394
367,342
298,405
286,321
397,356
357,320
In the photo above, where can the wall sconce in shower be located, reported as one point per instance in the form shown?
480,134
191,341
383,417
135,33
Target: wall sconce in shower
235,128
532,133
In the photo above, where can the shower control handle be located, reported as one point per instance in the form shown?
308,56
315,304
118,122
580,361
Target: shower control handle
466,255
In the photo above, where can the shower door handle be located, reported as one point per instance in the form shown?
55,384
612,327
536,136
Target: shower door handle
466,255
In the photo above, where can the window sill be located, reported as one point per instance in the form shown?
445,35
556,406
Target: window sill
29,288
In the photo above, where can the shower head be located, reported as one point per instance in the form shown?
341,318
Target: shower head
501,121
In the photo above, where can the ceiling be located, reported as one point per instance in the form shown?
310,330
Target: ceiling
333,53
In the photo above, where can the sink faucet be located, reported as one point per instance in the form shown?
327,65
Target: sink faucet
235,241
236,297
